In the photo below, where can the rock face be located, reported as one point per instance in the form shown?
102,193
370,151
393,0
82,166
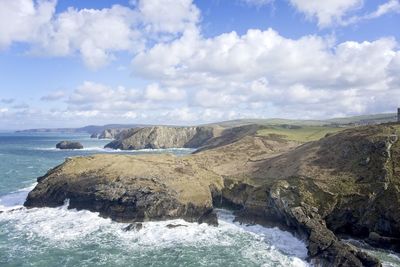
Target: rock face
69,145
129,189
162,137
110,133
344,184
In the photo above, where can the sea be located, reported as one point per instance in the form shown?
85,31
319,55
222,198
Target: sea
66,237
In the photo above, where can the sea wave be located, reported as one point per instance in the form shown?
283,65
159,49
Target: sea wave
62,227
388,259
16,199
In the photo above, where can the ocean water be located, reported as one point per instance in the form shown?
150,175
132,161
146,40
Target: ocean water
63,237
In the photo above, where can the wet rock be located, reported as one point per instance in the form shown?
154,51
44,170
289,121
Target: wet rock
375,239
127,189
69,145
317,190
171,226
133,227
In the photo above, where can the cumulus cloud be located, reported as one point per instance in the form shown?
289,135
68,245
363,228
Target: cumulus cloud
168,16
192,79
154,92
24,20
95,34
266,72
326,12
96,96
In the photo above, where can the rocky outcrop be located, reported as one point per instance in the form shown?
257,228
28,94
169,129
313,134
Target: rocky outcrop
129,189
162,137
69,145
94,135
344,184
110,133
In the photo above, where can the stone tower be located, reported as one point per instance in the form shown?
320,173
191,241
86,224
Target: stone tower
398,114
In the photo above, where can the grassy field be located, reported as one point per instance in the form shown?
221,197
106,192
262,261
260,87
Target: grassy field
299,134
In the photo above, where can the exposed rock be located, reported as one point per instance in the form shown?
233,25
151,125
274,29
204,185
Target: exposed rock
94,135
133,227
130,189
110,133
392,243
317,190
69,145
162,137
171,226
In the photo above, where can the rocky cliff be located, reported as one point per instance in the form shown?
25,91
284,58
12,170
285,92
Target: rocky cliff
161,137
346,183
110,133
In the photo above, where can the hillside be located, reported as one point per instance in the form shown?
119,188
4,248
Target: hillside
346,183
345,121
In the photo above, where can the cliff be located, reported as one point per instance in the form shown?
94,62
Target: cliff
162,137
111,133
344,184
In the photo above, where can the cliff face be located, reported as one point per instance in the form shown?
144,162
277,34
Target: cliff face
130,189
346,183
110,133
161,137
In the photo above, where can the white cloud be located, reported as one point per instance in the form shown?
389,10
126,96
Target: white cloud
24,20
388,7
168,16
263,71
327,12
391,6
194,79
95,34
154,92
53,96
95,95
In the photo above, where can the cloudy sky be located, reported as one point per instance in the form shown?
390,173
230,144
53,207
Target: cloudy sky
71,63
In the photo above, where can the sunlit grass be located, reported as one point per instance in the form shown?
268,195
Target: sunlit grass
299,133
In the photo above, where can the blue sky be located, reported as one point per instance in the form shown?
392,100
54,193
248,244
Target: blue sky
70,63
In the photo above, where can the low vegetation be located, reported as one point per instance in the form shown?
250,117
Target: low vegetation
299,133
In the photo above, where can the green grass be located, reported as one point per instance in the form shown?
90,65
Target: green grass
299,134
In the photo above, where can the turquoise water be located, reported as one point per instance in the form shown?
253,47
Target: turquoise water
62,237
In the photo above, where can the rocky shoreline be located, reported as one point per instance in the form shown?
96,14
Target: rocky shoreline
346,183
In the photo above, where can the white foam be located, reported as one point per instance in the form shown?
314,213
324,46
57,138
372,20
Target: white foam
388,259
60,226
15,199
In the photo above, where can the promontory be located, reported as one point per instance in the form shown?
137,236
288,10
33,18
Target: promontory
344,184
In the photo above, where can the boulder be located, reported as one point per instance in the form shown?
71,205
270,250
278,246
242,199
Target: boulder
133,227
69,145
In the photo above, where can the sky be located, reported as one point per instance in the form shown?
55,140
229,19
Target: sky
71,63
